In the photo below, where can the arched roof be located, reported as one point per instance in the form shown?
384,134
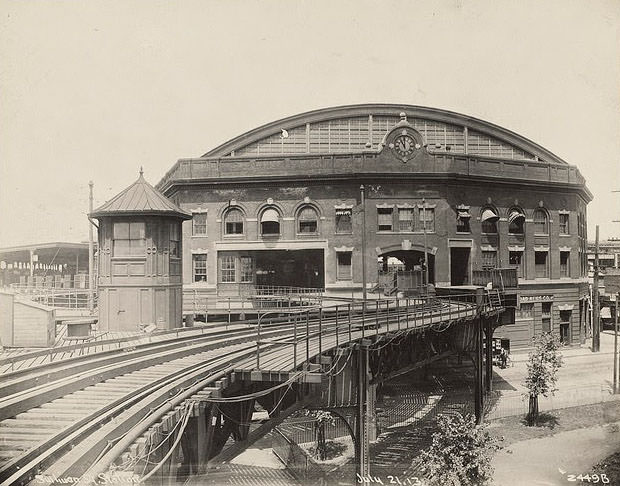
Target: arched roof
355,128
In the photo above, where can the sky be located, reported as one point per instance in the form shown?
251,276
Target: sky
92,90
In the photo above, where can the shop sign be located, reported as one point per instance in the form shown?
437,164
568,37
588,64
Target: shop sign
526,299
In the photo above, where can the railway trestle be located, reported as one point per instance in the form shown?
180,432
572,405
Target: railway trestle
320,358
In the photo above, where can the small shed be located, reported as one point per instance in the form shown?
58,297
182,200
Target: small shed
140,269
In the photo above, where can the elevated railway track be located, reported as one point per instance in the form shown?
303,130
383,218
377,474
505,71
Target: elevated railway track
83,415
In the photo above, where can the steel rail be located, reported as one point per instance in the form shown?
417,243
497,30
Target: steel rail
330,332
23,467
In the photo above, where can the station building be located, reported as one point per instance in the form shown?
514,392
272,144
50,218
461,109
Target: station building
293,202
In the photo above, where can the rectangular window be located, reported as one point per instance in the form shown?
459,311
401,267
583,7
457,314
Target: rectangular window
489,226
489,259
515,259
427,219
405,219
343,221
565,264
200,268
462,225
228,269
247,269
564,229
540,262
547,322
199,224
384,219
175,240
129,239
526,311
344,265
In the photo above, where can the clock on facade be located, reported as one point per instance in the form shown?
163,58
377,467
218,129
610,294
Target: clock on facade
404,145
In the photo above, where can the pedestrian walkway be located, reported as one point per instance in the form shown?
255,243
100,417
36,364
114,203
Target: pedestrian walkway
550,461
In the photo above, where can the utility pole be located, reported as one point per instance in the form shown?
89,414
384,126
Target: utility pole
363,201
596,321
425,242
91,253
616,364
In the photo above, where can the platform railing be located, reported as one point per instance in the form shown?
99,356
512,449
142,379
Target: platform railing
67,298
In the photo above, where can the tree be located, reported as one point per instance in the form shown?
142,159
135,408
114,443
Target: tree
321,419
461,452
542,367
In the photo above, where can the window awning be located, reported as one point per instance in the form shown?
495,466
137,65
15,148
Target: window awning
340,212
462,214
270,215
515,216
489,215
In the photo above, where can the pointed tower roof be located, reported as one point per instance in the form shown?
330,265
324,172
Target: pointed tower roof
140,199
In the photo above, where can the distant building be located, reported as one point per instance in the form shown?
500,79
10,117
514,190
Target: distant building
281,205
45,264
608,254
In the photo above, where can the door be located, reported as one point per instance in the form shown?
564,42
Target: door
459,266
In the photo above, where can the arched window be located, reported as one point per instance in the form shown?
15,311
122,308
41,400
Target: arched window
270,222
540,222
307,220
488,220
516,218
233,222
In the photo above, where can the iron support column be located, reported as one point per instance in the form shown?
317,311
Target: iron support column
489,355
478,385
363,465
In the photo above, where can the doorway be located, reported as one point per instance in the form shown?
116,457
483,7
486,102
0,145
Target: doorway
459,266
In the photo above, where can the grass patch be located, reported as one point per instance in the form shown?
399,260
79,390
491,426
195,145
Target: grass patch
515,429
609,466
332,450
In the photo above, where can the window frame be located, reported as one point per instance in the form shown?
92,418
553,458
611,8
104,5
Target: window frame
565,267
423,219
540,223
564,226
402,227
243,269
195,225
520,266
261,223
485,260
339,266
227,214
385,212
129,253
228,268
299,220
199,257
537,266
337,217
174,244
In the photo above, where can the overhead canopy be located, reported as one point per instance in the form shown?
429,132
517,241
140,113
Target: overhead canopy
463,214
516,216
489,215
270,215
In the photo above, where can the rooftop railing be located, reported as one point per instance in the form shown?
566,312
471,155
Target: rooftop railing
364,162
